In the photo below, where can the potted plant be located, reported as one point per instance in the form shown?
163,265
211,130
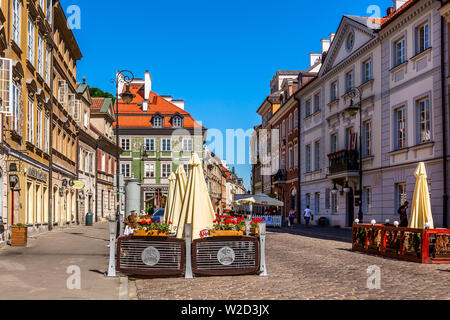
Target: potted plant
254,226
226,226
147,228
19,235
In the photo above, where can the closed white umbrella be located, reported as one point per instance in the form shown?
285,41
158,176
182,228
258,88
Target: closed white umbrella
172,181
197,208
177,200
260,199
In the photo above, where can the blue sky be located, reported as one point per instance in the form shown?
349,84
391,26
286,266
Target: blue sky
219,56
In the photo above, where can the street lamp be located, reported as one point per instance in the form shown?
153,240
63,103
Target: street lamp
353,110
125,77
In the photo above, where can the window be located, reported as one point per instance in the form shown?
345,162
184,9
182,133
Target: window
317,155
47,66
150,144
308,108
157,122
166,169
400,52
349,81
149,170
291,158
187,145
349,139
296,155
317,202
283,129
283,161
333,143
125,144
166,145
17,107
424,118
400,130
295,118
125,170
400,195
308,158
290,122
103,162
367,70
31,41
40,56
41,4
422,38
30,118
308,200
39,128
16,23
63,90
334,203
333,91
317,103
49,11
367,199
367,138
47,133
86,119
350,41
177,122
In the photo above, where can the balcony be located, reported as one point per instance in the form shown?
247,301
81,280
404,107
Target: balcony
343,161
280,176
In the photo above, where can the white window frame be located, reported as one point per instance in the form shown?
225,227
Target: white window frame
39,128
30,120
125,169
40,55
150,144
31,41
17,21
150,170
188,145
166,169
125,144
424,120
166,145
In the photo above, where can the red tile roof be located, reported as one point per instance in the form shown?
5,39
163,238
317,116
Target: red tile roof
97,103
132,116
384,21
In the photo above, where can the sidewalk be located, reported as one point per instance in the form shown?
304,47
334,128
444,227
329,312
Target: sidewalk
324,233
40,271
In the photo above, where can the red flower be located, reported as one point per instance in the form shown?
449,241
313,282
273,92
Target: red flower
170,222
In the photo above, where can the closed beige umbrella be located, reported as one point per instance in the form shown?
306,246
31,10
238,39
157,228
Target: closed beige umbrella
197,208
172,181
177,200
421,206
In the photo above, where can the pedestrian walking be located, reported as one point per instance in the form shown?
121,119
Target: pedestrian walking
307,214
291,218
403,212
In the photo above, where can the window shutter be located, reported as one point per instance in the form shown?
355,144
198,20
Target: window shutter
77,110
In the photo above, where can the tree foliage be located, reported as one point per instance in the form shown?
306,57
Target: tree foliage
98,93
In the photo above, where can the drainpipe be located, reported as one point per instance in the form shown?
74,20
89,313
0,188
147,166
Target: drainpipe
444,126
50,165
299,193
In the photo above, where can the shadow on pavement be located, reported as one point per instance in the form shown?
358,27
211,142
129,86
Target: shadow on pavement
323,233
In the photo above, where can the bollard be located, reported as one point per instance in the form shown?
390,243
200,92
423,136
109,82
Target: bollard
188,237
112,248
262,241
247,226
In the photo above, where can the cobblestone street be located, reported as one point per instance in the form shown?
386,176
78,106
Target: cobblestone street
307,264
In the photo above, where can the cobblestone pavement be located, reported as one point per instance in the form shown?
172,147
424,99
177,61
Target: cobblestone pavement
304,264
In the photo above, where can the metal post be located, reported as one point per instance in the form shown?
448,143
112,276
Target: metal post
122,224
188,237
360,213
112,248
117,157
262,241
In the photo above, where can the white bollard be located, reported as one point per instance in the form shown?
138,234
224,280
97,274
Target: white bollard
112,248
262,241
188,237
122,225
247,226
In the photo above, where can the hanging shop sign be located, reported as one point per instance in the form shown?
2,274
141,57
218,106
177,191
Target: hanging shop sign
78,185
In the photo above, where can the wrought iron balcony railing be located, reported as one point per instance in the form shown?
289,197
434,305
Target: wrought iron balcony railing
342,161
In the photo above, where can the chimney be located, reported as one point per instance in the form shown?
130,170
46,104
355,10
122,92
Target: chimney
147,90
390,11
325,44
332,36
314,57
167,98
399,3
179,103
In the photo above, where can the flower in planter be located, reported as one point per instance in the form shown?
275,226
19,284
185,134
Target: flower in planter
254,223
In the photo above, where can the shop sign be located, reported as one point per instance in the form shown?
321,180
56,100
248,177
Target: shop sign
78,185
37,174
150,256
226,256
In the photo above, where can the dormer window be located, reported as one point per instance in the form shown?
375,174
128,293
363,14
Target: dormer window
157,122
177,122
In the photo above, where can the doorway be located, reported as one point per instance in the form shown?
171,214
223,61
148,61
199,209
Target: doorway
350,204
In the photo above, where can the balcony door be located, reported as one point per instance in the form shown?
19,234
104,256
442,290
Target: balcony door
350,205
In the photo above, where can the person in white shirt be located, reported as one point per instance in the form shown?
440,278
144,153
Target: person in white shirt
307,215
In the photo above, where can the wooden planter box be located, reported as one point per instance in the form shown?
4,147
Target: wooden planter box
254,231
415,245
226,233
153,233
19,236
